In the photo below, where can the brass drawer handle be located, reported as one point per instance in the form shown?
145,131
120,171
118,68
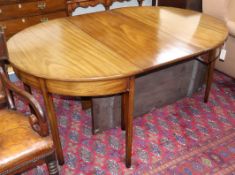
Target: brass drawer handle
19,6
44,19
42,5
23,20
0,11
3,27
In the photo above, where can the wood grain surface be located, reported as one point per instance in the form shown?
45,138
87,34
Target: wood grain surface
101,53
114,44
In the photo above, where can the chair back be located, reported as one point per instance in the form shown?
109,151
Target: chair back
37,120
3,63
3,47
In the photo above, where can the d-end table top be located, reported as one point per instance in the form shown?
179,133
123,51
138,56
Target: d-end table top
113,44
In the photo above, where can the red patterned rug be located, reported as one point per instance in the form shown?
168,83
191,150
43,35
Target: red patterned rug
188,137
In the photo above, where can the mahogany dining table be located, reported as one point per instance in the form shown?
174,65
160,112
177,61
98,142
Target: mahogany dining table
100,54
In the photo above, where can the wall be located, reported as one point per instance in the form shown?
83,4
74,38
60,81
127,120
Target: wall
219,9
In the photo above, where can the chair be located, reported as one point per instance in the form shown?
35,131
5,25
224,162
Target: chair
24,140
224,9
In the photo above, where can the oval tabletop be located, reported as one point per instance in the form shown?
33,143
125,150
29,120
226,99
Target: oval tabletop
113,44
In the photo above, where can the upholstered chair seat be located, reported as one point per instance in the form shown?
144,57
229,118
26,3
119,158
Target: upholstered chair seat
19,143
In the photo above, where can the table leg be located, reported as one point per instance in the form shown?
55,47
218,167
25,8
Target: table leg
210,71
128,115
52,121
124,111
86,103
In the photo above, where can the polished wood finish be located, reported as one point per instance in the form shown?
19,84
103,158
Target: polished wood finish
18,15
6,2
30,8
88,88
24,139
113,35
128,119
100,54
13,26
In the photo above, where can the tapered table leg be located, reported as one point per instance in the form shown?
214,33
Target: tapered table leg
52,121
124,110
128,115
210,72
86,103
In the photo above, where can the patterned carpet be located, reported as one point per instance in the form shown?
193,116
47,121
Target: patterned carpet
188,137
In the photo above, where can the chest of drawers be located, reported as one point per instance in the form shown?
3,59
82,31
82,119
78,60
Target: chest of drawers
73,4
16,15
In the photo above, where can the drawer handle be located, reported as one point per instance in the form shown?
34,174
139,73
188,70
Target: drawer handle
3,27
19,6
23,20
44,19
42,5
0,11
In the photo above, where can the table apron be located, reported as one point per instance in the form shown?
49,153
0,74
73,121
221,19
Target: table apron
92,88
72,88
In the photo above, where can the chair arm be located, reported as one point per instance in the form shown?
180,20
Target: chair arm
38,120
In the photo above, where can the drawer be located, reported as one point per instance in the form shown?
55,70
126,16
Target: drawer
15,25
6,2
30,8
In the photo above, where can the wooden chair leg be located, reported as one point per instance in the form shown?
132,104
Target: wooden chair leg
210,72
128,111
52,165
